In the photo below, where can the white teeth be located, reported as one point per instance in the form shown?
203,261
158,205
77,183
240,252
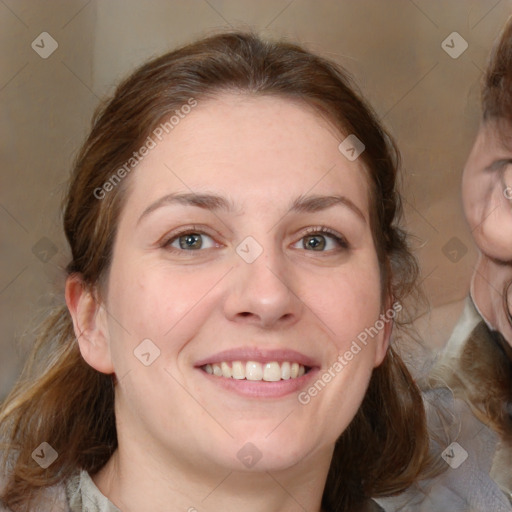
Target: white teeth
254,370
226,370
285,370
272,372
238,370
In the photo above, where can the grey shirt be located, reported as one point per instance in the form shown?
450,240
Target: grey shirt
80,494
83,495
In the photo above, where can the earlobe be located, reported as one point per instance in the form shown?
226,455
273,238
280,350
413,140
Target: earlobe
382,348
385,337
90,324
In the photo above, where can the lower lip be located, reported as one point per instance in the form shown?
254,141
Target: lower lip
261,388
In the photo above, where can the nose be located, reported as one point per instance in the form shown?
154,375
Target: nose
261,293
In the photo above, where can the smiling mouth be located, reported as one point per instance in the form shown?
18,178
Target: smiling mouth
256,371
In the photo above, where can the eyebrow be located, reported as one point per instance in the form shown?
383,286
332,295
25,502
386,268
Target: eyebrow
302,204
317,203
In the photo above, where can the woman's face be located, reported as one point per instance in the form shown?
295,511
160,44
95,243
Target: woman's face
487,197
244,247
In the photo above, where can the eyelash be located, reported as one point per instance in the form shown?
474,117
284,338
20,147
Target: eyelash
317,230
322,230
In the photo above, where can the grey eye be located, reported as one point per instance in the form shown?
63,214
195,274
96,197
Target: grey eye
192,241
315,242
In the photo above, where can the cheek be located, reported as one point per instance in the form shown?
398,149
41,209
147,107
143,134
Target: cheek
353,309
153,302
470,195
488,213
349,301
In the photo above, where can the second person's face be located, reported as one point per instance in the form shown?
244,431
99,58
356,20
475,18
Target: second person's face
487,198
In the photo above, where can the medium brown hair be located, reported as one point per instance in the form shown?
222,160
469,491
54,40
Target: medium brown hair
497,80
62,400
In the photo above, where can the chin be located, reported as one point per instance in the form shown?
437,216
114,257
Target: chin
263,452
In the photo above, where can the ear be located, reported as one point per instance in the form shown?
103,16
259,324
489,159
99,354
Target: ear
383,340
90,324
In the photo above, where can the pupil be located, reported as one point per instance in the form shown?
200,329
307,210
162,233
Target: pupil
314,242
191,241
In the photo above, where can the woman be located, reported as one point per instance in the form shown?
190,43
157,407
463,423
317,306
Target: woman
236,271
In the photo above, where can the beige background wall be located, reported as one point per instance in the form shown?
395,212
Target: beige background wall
427,99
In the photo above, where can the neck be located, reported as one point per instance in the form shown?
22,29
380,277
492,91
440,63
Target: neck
143,477
487,289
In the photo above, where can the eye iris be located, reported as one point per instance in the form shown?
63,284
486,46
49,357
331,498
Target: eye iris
314,242
191,241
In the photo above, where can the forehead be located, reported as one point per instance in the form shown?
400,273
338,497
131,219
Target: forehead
261,147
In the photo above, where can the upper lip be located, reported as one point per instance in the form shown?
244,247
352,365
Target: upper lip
259,355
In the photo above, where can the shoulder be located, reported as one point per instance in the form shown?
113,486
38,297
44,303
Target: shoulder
437,325
52,499
467,448
373,506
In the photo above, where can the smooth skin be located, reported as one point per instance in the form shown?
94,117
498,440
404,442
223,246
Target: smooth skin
179,430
